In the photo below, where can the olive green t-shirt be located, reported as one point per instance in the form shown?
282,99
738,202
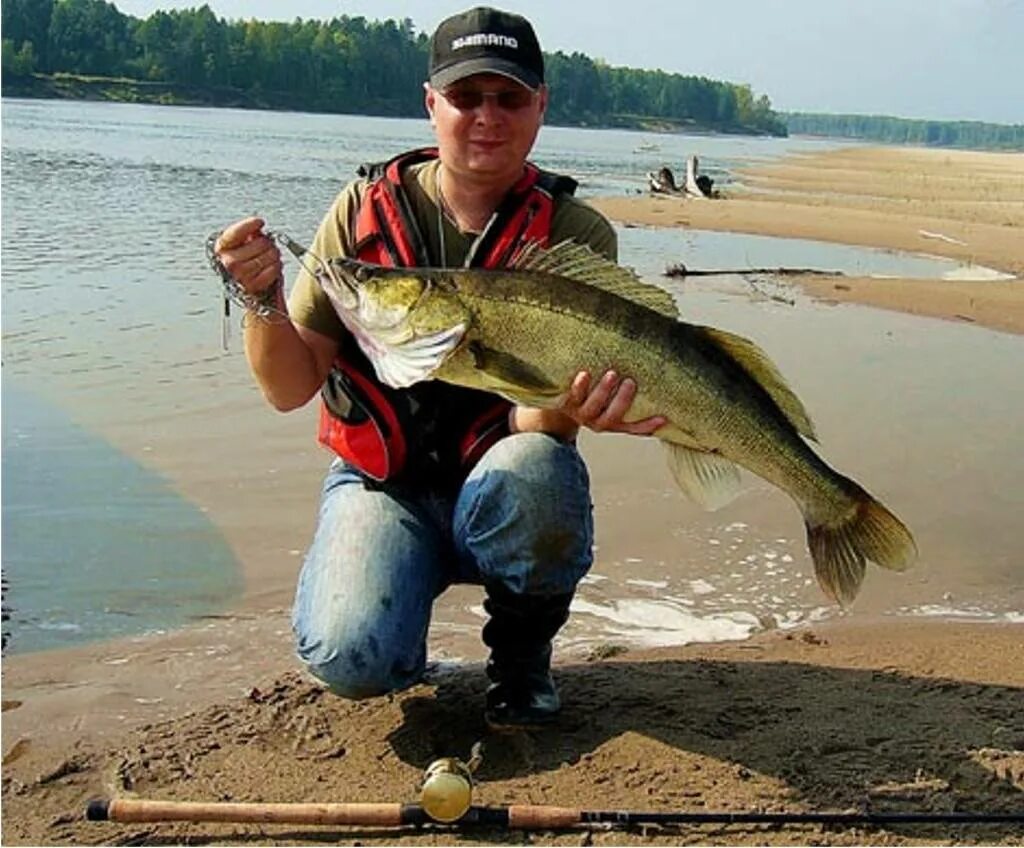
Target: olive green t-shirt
309,306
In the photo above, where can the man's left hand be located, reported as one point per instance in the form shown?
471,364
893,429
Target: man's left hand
603,406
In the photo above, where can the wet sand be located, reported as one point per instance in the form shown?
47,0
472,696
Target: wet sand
865,712
888,716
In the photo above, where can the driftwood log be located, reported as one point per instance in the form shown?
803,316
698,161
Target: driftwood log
663,181
693,182
679,269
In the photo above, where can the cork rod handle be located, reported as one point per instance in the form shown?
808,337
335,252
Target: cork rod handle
132,810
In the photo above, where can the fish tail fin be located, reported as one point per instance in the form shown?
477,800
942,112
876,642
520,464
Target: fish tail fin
870,532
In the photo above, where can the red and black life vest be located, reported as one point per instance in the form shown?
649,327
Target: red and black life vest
431,430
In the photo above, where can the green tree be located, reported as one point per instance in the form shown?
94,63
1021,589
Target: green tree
346,64
28,21
967,134
88,37
18,62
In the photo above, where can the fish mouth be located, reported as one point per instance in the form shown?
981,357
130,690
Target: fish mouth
344,277
345,280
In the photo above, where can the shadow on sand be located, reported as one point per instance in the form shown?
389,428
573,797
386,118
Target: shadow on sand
837,738
694,735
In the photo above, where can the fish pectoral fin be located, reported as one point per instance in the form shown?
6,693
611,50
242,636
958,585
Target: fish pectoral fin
402,365
508,373
709,479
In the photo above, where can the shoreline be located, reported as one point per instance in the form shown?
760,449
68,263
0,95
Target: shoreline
83,87
896,712
883,198
815,180
891,716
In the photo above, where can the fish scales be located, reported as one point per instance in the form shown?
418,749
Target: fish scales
676,366
525,331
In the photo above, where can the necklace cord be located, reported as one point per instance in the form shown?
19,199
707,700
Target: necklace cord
445,210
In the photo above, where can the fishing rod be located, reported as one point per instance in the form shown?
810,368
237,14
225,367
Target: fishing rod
446,794
513,817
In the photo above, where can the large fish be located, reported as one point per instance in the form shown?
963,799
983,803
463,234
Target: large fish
525,331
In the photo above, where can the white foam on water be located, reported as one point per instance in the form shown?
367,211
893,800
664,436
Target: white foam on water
701,587
941,237
59,626
976,274
648,584
963,614
659,624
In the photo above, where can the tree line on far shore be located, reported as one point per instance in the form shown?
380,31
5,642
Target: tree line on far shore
345,64
975,135
90,49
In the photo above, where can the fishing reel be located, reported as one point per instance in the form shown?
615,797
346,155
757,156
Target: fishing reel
446,791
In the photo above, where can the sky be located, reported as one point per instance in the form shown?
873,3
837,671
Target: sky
935,59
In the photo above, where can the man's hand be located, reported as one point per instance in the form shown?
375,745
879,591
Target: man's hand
249,255
603,406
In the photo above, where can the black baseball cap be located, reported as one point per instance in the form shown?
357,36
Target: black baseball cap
485,41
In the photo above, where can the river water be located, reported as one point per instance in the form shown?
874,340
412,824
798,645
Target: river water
111,324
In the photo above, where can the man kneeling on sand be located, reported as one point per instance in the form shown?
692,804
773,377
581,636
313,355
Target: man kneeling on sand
436,484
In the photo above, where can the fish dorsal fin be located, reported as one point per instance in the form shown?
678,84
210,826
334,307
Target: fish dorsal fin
580,263
757,364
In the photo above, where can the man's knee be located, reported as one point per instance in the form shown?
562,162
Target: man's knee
353,663
535,470
525,516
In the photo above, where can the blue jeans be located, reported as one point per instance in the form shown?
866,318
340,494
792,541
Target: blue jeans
382,553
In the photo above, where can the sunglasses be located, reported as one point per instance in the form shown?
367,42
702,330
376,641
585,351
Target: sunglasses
510,99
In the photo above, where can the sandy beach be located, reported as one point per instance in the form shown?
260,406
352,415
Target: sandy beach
879,713
963,205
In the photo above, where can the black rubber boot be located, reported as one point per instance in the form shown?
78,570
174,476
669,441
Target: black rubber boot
519,633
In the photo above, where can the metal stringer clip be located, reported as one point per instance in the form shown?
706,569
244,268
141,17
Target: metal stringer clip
261,305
